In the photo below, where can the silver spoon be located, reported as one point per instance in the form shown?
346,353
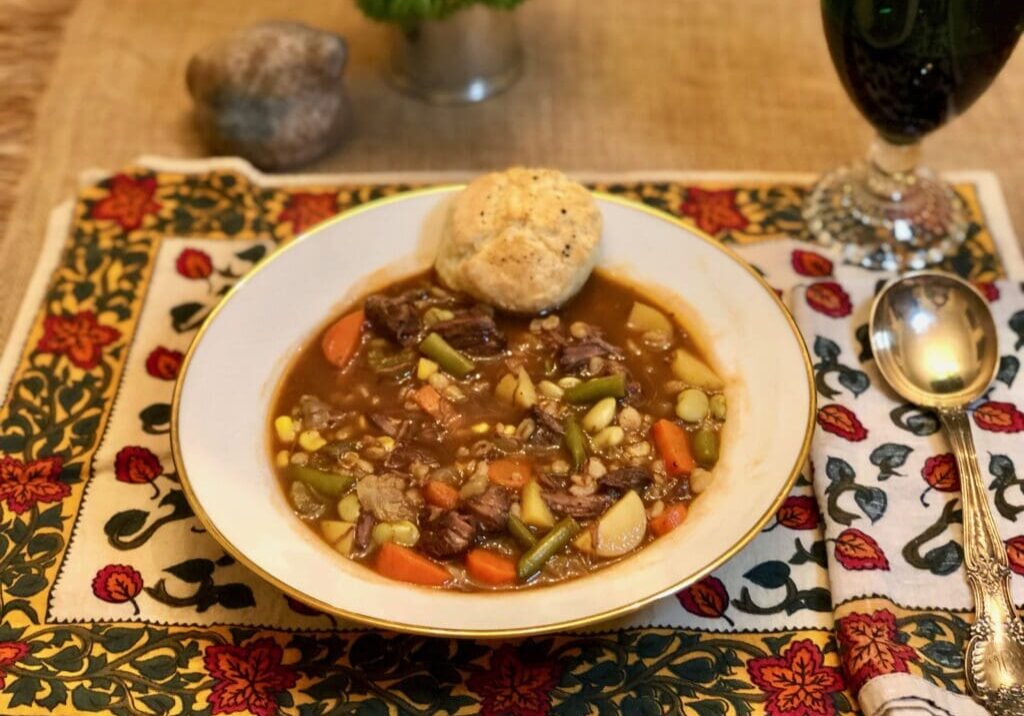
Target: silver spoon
934,341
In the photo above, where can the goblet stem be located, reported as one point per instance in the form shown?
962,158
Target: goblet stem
892,168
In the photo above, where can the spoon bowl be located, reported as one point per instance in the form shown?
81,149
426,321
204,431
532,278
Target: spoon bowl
934,339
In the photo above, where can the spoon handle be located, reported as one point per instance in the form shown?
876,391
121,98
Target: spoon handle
982,544
988,572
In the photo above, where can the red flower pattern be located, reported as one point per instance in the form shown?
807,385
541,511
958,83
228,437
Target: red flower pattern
163,363
22,486
512,687
194,264
798,512
1015,553
809,263
999,417
713,210
828,297
941,473
128,203
987,289
79,336
137,465
117,584
856,550
706,598
797,683
838,420
870,647
11,652
306,209
248,677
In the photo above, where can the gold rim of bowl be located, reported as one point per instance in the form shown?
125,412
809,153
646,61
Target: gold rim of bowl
564,625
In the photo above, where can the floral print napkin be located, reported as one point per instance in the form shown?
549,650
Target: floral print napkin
888,489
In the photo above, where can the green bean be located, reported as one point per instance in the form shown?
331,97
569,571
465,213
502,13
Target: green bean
612,386
522,534
328,484
450,360
382,360
550,544
574,442
705,447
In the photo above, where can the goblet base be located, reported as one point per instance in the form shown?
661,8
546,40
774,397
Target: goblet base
893,222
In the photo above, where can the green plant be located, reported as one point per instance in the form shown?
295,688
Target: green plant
410,11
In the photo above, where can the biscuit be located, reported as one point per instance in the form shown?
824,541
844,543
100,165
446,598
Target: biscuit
523,240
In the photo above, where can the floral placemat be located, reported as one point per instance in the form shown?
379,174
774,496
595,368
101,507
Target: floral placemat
114,599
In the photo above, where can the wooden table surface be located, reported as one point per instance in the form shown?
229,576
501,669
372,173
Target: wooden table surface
609,85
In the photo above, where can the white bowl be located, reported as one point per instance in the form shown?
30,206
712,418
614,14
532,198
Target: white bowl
223,399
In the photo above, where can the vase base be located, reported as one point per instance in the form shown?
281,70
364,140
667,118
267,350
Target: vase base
474,90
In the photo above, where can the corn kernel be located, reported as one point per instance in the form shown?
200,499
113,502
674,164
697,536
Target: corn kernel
311,441
480,428
510,430
425,368
285,428
387,442
282,458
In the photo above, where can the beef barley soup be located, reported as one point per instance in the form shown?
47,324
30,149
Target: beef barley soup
445,444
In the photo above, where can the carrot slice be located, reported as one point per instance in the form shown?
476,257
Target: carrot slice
430,400
674,447
489,567
406,565
435,405
341,339
440,494
510,472
670,518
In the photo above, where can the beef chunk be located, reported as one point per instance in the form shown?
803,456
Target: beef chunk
384,496
578,354
548,429
450,534
550,481
427,434
388,424
579,506
474,332
396,317
634,391
625,479
402,456
318,415
491,508
548,420
364,528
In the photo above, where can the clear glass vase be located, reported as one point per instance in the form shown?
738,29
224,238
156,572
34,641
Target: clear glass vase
467,57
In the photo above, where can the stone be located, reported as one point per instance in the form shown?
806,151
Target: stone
271,93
